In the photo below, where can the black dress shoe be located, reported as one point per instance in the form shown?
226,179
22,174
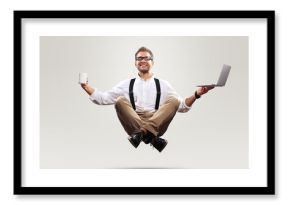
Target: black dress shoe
148,138
159,143
135,139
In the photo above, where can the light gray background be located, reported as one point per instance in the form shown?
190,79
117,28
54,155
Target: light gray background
75,133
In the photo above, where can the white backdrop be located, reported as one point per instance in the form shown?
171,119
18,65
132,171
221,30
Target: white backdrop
282,111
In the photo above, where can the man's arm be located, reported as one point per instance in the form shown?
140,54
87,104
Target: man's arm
90,90
104,98
200,91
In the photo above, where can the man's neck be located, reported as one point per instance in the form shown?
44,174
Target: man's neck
145,76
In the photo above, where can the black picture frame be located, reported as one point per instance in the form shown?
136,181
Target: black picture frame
19,189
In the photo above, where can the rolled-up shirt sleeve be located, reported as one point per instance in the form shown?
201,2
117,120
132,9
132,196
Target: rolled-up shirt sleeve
107,97
182,106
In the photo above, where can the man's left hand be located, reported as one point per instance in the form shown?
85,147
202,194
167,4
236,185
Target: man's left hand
203,90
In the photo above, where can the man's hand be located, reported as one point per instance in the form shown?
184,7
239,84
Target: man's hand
87,88
203,90
200,91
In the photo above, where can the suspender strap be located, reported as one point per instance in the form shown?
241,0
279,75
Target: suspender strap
158,93
131,94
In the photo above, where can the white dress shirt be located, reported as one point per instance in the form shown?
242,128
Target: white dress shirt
144,94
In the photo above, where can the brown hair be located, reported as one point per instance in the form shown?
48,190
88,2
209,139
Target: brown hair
144,49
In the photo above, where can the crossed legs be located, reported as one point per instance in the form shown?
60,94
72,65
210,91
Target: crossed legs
154,122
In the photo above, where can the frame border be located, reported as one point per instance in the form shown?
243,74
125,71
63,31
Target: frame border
268,190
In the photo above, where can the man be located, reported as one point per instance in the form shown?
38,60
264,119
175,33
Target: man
145,105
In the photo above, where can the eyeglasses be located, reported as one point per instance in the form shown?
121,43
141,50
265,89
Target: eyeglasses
144,58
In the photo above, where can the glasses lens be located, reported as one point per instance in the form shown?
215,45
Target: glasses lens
143,58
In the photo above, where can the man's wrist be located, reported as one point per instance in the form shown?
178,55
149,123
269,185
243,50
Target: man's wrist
196,95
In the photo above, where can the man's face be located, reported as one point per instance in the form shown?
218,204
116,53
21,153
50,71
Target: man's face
143,62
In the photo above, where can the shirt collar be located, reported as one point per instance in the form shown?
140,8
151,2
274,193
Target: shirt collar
150,79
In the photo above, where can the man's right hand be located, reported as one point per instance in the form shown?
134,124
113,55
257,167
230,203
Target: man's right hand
84,85
87,88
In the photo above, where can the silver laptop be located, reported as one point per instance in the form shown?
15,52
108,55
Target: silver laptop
222,78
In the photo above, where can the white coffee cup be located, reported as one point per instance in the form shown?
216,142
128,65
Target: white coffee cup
83,78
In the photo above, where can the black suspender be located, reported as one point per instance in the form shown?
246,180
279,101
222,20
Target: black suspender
158,93
131,94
